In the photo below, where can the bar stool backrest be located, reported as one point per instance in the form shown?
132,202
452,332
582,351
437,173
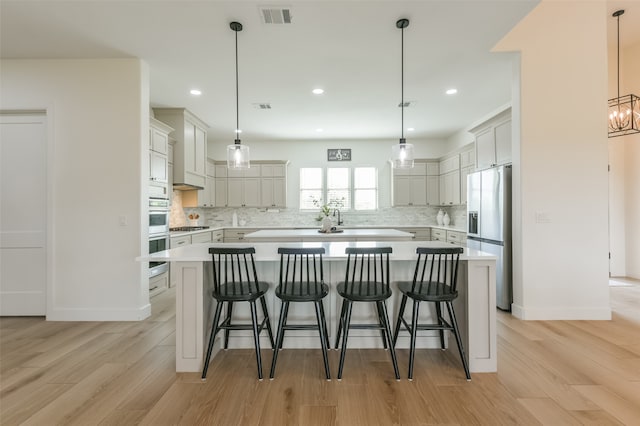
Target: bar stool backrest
435,269
301,270
234,267
366,266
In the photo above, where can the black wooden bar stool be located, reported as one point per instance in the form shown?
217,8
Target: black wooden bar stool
235,280
434,280
302,280
366,280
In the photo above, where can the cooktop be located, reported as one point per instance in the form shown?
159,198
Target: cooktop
188,228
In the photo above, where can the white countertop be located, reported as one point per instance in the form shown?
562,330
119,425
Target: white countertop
402,250
313,234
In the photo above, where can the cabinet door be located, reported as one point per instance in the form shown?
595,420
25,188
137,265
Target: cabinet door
503,142
433,190
221,192
485,149
455,187
159,141
267,191
234,192
251,192
401,190
200,152
418,190
158,167
280,192
207,196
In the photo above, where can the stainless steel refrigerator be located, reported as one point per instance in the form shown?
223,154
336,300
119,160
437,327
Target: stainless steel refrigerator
489,224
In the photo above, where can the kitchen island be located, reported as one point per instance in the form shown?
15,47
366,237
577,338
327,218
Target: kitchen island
191,269
303,235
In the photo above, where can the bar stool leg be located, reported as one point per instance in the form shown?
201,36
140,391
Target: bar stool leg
323,339
324,324
343,311
279,338
387,330
381,324
214,330
256,337
452,314
268,321
347,320
414,333
228,319
440,323
403,303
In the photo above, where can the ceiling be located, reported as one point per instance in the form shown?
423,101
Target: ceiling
351,49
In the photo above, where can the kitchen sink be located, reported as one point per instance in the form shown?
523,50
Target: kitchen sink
332,231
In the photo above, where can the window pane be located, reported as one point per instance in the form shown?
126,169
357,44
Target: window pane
311,178
310,188
365,199
338,198
364,177
307,198
338,178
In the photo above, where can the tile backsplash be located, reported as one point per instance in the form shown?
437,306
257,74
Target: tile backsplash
256,217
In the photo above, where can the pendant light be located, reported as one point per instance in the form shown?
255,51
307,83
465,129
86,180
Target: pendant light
402,153
237,154
624,111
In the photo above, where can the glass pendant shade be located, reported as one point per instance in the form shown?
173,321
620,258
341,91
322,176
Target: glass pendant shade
624,115
237,156
402,156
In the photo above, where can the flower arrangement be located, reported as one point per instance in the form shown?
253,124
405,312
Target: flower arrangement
325,209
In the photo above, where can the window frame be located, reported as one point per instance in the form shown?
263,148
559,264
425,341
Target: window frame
351,188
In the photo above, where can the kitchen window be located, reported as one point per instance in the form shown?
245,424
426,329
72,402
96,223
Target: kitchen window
345,188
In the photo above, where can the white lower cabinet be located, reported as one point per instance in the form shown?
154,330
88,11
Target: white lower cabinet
158,284
419,234
457,238
438,234
201,237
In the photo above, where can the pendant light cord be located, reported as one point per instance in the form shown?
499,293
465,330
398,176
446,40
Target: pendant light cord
402,84
237,96
618,57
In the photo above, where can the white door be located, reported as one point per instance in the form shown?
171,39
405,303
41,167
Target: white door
23,214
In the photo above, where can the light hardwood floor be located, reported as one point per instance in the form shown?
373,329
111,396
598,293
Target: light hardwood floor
549,372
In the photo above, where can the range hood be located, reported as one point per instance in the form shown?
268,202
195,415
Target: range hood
186,187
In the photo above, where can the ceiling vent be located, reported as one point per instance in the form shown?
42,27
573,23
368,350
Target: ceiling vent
262,106
405,104
275,15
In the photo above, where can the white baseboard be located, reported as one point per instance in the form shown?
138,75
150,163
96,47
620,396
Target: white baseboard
85,314
560,313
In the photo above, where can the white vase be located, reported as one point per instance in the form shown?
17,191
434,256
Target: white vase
446,220
326,224
439,217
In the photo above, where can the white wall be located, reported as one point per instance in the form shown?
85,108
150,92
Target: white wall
98,139
312,153
563,269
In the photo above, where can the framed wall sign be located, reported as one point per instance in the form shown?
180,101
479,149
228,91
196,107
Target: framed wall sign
339,154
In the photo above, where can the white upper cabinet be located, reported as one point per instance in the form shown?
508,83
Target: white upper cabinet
493,141
158,159
190,150
264,184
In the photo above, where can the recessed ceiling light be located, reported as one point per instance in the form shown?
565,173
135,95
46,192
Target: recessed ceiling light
195,92
319,130
410,129
452,91
318,91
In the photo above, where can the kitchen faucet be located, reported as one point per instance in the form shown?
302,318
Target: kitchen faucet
334,215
